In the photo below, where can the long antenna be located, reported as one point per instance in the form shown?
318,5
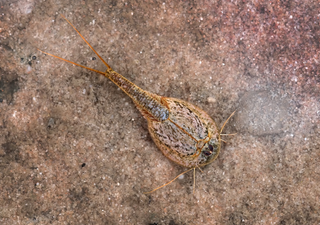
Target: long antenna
168,182
97,71
226,122
87,43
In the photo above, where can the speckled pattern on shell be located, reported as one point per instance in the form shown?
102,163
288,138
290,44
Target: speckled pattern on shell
185,133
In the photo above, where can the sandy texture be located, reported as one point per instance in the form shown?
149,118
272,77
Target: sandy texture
75,150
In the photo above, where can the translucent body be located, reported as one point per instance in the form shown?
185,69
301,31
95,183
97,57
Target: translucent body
184,133
188,137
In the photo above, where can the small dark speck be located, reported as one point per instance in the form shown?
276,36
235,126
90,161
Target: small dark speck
34,57
83,165
22,59
1,100
94,58
30,63
262,10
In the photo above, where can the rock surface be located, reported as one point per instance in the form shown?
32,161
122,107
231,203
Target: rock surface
75,150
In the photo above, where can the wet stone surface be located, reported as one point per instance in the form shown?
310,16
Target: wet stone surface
262,113
8,86
75,150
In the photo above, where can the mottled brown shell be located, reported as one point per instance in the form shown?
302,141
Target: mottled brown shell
184,133
188,137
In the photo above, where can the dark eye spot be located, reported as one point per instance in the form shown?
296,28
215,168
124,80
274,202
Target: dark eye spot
207,153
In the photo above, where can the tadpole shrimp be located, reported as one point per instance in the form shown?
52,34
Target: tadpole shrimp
183,132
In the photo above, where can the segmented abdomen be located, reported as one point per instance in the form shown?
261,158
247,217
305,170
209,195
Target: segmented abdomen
144,100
